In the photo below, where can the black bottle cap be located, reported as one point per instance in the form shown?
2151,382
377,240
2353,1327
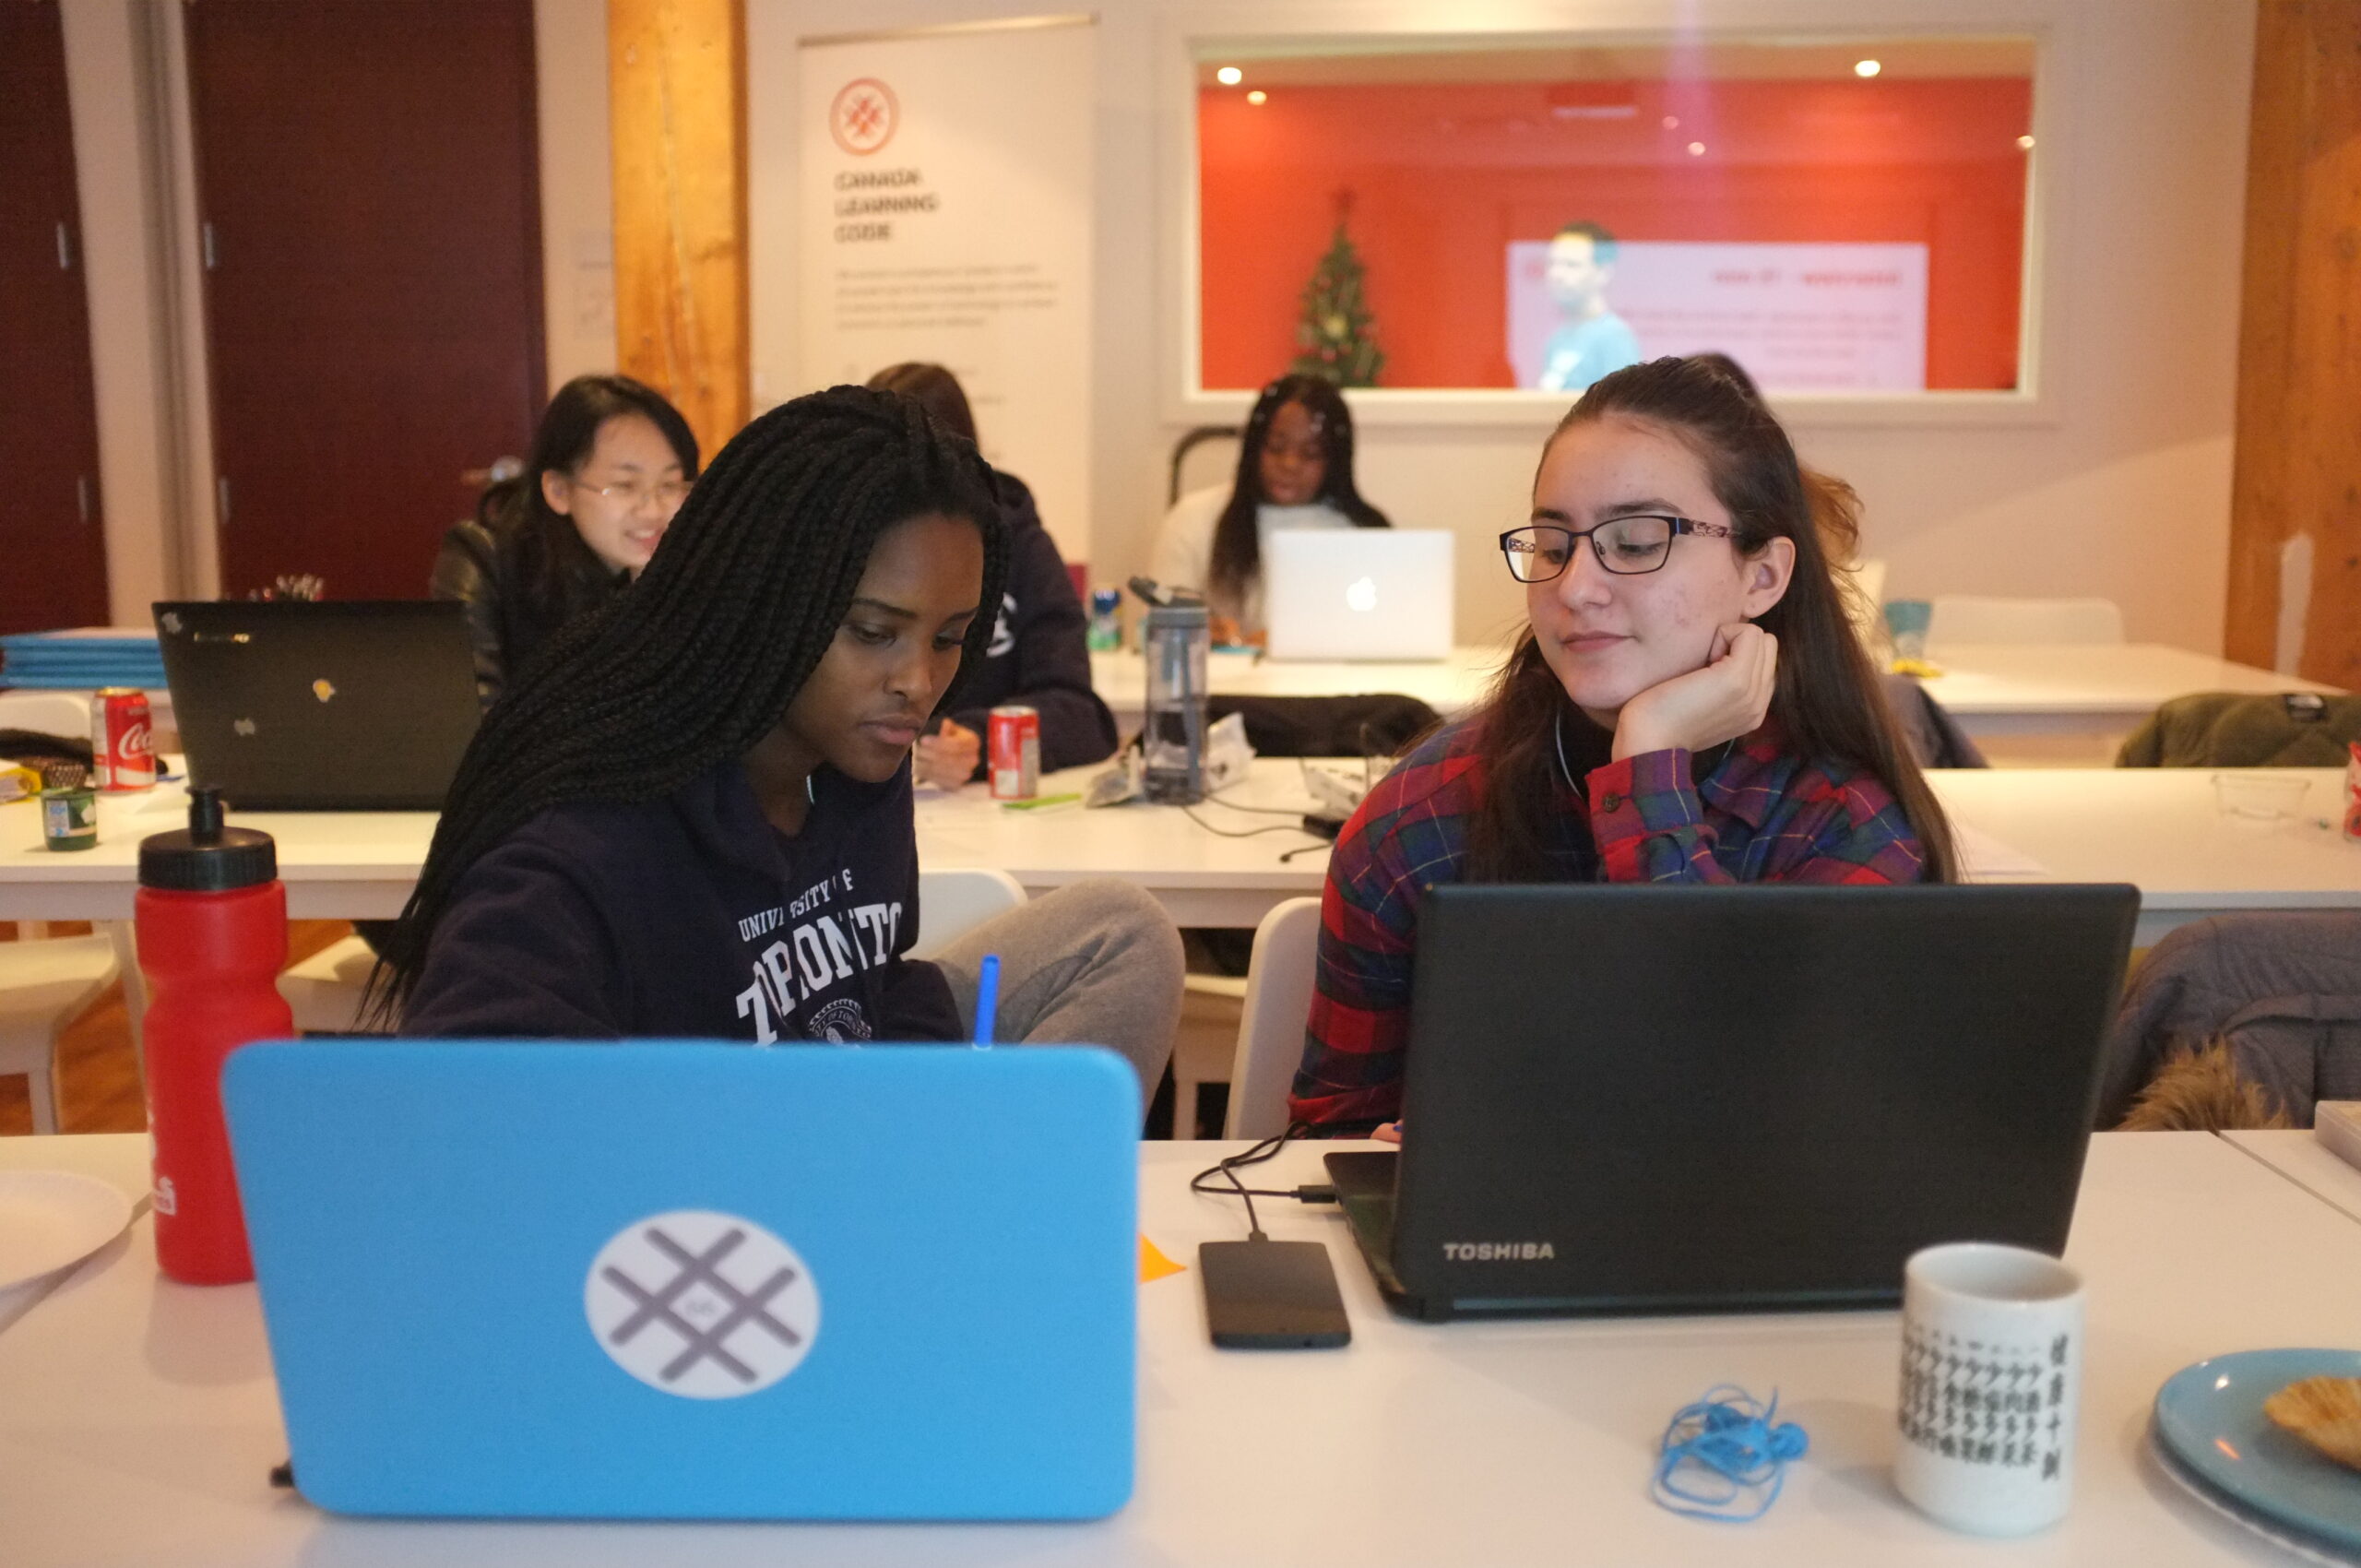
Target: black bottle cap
206,857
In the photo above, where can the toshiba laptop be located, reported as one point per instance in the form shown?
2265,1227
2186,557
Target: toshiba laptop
1651,1099
343,705
1358,593
684,1280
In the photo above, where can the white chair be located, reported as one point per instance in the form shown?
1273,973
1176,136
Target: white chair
52,713
1964,618
45,986
324,990
1270,1033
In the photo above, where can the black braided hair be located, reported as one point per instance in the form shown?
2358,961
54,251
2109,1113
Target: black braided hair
702,658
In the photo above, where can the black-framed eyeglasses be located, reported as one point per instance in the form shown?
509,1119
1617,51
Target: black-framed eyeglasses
1625,546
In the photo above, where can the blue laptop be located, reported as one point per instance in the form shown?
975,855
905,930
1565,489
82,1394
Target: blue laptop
696,1282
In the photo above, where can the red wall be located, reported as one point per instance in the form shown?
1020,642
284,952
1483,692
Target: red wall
1445,176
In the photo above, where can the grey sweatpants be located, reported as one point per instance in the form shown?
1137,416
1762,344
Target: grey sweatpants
1093,963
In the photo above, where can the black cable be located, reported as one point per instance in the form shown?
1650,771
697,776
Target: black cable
1246,833
1259,811
1268,1149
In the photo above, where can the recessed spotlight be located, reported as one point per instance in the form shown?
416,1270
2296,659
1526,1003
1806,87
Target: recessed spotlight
1866,68
1229,75
1258,96
2026,142
1696,149
1672,122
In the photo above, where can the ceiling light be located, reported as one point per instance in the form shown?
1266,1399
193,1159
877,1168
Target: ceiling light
2026,142
1229,75
1672,122
1866,68
1696,149
1258,96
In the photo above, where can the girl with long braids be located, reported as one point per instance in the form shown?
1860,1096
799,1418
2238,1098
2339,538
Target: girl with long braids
1689,704
1294,470
693,817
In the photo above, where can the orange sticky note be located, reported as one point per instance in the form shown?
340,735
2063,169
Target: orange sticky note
1154,1265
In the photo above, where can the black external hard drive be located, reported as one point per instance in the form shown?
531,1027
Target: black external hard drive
1272,1296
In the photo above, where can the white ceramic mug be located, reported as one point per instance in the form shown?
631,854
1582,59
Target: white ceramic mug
1991,1379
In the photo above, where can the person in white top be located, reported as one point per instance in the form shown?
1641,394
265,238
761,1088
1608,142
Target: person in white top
1294,470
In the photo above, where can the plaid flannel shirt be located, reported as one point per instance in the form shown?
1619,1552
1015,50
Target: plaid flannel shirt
1764,815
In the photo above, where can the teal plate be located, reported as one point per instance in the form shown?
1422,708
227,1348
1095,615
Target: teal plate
2209,1417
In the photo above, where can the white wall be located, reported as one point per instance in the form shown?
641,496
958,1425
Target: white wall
2115,482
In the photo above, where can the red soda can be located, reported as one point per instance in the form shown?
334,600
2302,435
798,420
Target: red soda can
2352,791
1015,749
122,748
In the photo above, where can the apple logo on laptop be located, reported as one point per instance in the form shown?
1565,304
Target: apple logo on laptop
242,726
702,1304
323,689
1362,596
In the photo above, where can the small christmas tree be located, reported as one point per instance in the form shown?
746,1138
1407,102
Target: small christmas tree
1336,333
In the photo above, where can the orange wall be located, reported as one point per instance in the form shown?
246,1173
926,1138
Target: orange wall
1445,176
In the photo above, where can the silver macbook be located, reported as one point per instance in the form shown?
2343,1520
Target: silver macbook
1358,593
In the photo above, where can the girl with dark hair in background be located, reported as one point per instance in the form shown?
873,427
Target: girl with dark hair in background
610,465
692,817
1294,470
1038,654
1689,704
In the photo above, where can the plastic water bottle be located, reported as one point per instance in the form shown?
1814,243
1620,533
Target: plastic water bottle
211,919
1106,633
1173,735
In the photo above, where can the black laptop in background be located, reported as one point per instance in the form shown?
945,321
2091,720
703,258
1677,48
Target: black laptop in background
342,705
1627,1099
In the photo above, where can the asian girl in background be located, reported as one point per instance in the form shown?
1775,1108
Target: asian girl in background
611,464
692,818
1688,704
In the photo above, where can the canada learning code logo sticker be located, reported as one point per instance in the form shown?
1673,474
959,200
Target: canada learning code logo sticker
863,116
702,1304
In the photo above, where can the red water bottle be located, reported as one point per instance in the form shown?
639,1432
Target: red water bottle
211,917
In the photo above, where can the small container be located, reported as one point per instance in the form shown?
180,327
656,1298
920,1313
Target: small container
2262,795
2353,792
1106,633
1907,621
123,741
70,809
1014,744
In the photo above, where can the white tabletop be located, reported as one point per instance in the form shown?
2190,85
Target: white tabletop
1451,686
139,1418
119,1160
2160,828
2301,1158
1991,687
2156,827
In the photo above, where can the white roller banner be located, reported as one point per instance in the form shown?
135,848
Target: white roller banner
946,192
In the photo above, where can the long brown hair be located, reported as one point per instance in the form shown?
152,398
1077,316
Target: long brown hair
1237,559
1827,700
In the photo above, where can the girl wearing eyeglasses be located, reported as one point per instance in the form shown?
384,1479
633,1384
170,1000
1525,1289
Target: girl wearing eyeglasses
1294,470
1688,704
611,464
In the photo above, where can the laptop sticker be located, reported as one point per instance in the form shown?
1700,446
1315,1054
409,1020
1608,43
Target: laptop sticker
702,1304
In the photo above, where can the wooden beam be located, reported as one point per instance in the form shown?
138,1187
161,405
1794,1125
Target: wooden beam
677,70
2296,476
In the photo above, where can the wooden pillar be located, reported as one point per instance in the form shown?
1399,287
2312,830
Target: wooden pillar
2295,588
677,70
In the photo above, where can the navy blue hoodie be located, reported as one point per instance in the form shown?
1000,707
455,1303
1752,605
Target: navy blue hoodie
691,916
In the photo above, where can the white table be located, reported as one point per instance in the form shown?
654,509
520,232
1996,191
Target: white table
2155,827
2159,828
2075,703
138,1419
2305,1160
1451,686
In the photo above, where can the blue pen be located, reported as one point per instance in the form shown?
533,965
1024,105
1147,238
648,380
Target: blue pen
987,998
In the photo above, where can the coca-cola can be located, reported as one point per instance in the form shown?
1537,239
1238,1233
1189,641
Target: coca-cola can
1014,747
123,741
